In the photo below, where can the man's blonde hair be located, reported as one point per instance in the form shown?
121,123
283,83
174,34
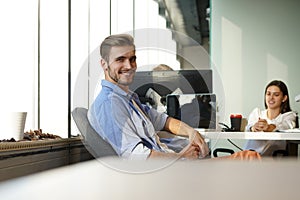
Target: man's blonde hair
162,67
115,40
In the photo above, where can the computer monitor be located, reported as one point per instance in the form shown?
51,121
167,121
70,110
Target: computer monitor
166,82
197,110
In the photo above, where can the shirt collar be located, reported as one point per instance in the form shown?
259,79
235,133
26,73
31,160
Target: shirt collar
118,90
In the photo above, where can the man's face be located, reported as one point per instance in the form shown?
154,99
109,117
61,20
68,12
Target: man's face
121,66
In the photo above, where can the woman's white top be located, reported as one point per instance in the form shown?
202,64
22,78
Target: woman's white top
282,122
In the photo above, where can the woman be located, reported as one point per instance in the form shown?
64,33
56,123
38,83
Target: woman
277,116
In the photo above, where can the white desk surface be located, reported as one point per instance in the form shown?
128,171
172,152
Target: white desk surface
156,179
251,135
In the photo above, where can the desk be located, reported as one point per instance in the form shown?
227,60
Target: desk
251,135
292,138
203,179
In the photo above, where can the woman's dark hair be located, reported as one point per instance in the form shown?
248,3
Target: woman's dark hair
285,106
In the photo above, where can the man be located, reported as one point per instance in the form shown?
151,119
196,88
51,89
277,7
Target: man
129,126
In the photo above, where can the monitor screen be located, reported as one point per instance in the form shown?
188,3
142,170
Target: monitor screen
197,110
167,82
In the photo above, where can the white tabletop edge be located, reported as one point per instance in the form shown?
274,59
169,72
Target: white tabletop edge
250,135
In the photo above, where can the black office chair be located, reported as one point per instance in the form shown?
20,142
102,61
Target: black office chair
285,152
95,144
222,150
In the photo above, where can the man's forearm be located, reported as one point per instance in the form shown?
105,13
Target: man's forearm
178,127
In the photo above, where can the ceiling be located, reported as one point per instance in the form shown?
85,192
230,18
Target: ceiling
188,17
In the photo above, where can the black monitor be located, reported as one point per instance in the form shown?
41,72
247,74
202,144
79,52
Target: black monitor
197,110
166,82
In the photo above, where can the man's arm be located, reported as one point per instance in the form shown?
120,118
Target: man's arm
191,151
178,127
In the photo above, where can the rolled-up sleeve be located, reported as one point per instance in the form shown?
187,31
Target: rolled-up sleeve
140,152
158,119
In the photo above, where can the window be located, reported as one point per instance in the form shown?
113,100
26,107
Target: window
43,42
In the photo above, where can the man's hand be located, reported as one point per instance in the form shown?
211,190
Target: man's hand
191,151
196,139
241,155
180,128
245,155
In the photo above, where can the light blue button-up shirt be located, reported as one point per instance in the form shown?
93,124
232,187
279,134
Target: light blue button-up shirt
116,119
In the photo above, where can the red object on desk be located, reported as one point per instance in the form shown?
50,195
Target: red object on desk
236,120
235,116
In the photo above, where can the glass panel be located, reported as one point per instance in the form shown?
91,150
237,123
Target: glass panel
18,62
152,27
54,67
121,16
99,29
79,51
89,28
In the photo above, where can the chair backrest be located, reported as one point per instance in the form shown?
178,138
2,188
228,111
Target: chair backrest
297,120
94,143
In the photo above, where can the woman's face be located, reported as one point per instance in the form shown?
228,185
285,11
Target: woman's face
274,97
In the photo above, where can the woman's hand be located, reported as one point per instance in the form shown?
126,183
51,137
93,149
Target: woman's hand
262,125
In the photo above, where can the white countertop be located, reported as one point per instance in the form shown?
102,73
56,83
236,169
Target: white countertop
288,135
206,179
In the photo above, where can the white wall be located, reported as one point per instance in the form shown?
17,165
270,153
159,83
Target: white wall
252,43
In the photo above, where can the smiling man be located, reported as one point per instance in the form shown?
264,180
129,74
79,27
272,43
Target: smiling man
129,126
120,66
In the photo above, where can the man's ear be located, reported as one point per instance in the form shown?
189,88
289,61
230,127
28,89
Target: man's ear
103,64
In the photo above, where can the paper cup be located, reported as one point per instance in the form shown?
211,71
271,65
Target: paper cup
13,124
236,121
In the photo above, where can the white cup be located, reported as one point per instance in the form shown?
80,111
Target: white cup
12,125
